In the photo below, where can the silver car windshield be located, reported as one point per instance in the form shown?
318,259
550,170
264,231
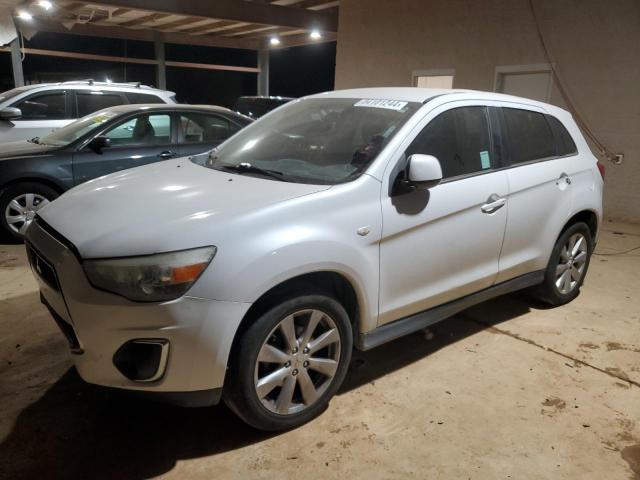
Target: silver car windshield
77,129
315,140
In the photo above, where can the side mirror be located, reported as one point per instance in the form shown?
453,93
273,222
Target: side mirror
423,171
10,113
98,143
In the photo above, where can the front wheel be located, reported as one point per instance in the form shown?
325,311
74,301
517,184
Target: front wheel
19,204
567,266
289,363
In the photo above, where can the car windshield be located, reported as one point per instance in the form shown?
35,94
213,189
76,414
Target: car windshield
77,129
315,140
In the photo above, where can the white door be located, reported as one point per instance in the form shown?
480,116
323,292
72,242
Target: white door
41,114
444,243
540,190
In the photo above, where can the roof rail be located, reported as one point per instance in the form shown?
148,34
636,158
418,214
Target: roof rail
91,81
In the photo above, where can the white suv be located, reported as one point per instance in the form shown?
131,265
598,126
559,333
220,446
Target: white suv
343,219
36,110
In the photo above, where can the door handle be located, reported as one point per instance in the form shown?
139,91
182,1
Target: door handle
494,203
564,177
166,154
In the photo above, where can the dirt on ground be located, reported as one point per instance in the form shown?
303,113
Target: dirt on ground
507,389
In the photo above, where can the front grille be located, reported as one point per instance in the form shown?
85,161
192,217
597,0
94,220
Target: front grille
42,268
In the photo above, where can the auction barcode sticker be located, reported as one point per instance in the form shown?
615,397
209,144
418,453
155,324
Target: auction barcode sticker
377,103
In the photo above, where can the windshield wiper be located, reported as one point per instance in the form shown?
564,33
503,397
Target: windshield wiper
34,140
248,168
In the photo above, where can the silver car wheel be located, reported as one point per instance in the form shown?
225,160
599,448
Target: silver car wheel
297,362
21,210
572,263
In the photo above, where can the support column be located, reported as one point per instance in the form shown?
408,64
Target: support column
16,63
263,75
161,70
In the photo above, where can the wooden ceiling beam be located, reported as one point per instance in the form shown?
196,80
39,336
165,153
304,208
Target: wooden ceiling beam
146,35
237,10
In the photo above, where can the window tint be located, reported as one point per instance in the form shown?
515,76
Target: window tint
143,98
89,102
47,106
141,130
564,142
459,139
199,128
530,137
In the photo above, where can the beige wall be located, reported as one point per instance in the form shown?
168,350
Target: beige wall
594,44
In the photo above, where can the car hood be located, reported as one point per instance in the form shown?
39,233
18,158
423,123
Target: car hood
166,206
22,148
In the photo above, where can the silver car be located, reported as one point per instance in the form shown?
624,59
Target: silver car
36,110
343,219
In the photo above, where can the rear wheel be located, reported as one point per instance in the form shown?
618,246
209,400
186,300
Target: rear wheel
289,363
19,204
567,266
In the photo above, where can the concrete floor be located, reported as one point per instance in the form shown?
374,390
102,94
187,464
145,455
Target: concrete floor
507,389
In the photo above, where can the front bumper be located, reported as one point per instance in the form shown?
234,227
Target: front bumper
199,331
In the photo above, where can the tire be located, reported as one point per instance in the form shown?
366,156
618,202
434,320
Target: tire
40,195
554,290
248,378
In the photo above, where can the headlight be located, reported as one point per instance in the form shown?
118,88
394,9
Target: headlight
151,278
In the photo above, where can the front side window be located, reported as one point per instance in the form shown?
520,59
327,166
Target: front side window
459,139
316,140
148,129
203,128
44,106
89,102
529,134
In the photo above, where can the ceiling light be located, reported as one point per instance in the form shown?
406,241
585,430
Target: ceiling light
24,15
274,41
46,4
315,35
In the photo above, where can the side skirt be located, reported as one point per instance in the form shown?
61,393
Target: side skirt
413,323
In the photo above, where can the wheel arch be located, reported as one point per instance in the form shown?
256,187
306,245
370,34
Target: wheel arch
326,282
35,179
590,217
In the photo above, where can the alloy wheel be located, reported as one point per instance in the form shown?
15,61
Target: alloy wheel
22,209
297,362
571,264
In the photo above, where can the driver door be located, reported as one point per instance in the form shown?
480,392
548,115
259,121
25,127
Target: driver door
136,141
444,243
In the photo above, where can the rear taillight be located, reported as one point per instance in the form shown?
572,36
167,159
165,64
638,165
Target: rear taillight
601,169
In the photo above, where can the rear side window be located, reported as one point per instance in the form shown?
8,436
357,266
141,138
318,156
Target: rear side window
202,128
459,139
45,106
142,98
147,129
530,136
89,102
564,143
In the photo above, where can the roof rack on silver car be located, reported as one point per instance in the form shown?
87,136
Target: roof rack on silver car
91,81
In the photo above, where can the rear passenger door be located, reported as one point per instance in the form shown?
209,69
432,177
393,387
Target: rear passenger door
200,132
540,165
444,243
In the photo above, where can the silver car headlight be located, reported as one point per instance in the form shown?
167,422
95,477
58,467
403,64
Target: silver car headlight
150,278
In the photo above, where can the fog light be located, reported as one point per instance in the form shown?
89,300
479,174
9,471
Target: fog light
143,359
